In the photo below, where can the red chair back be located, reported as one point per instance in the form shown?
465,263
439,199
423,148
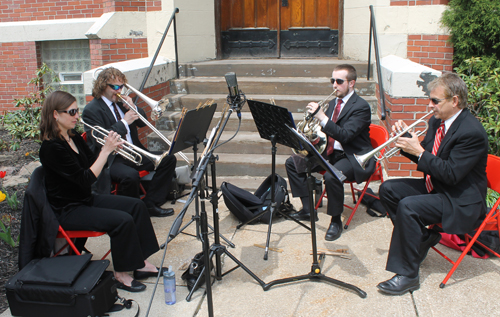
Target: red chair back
378,136
492,168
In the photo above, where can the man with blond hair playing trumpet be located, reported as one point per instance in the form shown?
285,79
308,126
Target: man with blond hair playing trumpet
453,158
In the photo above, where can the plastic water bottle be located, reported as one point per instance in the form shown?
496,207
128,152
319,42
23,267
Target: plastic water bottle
169,286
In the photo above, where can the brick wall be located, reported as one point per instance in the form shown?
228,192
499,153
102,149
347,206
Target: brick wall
156,93
107,51
409,110
32,10
433,51
17,67
417,3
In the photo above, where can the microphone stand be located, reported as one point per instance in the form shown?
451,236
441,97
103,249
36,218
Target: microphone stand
216,249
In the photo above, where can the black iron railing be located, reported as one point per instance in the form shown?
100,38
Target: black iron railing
373,33
172,19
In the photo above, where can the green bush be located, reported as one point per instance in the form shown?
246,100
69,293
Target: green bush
475,30
23,123
483,84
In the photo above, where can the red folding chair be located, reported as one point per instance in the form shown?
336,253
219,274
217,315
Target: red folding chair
490,223
378,136
71,235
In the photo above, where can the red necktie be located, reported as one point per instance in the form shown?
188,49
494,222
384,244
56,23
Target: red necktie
437,142
117,113
331,141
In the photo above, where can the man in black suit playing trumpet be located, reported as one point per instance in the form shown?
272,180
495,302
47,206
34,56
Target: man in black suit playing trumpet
107,111
347,125
453,158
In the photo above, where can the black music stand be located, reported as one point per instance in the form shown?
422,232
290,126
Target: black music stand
191,131
313,157
272,123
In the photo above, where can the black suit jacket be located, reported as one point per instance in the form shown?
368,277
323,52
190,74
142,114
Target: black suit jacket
458,171
352,130
97,113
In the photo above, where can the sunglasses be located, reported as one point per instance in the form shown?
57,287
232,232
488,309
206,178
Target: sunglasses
71,112
436,101
115,87
338,80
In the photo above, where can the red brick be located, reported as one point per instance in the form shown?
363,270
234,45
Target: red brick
420,54
414,37
414,48
428,61
445,49
399,3
436,55
398,173
429,37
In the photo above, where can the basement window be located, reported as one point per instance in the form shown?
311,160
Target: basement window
69,60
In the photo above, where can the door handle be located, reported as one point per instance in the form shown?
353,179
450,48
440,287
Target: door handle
284,3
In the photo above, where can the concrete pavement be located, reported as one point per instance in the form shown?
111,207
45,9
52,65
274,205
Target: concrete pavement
472,290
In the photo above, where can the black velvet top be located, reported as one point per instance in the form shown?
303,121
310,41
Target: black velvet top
68,177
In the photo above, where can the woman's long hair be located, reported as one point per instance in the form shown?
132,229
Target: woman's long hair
58,100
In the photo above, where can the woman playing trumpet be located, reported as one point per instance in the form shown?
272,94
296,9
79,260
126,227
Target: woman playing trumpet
70,169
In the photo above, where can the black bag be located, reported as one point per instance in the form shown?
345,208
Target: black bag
62,286
194,270
245,205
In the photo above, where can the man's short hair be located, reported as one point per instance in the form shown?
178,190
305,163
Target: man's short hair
106,75
351,71
453,85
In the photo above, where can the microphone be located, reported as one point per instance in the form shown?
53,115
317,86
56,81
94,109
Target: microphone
232,85
235,95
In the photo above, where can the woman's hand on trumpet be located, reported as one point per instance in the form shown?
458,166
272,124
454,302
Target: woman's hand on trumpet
410,145
312,107
112,142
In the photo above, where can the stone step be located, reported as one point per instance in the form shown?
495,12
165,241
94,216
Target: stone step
265,86
269,67
171,122
294,103
253,165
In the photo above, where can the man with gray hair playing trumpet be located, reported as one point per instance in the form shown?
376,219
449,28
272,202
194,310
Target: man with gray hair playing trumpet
347,126
453,158
107,111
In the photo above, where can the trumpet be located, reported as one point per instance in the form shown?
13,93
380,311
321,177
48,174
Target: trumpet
363,159
128,151
157,110
311,129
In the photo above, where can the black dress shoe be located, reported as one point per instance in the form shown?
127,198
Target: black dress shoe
303,215
399,284
334,231
140,275
432,240
135,287
155,211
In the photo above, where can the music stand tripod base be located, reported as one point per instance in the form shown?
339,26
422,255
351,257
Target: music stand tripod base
315,273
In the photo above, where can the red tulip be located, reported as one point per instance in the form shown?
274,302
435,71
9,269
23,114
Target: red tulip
2,174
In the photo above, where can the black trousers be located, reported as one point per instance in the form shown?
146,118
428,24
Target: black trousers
126,174
411,208
127,222
334,188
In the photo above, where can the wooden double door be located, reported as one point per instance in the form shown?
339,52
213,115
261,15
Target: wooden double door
279,28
